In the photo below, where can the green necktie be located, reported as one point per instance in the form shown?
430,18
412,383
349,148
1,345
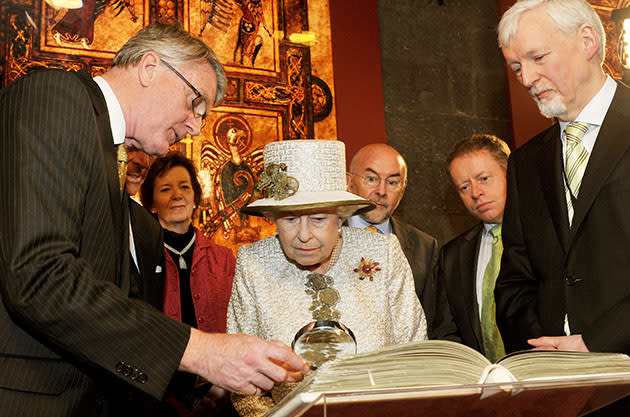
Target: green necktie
575,163
492,342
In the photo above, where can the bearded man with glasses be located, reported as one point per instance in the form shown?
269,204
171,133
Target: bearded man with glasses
379,173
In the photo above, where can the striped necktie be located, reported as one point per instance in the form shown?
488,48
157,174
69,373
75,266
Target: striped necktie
492,341
575,163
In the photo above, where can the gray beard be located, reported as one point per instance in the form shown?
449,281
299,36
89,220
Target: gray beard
550,109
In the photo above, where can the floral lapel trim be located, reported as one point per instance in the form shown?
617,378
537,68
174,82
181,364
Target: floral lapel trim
367,269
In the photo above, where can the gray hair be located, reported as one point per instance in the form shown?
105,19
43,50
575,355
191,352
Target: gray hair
569,15
174,45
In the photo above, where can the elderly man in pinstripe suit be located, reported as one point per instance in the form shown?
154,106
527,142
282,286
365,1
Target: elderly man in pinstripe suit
70,335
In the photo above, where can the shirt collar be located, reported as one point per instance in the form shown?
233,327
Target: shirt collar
595,111
487,227
116,117
358,221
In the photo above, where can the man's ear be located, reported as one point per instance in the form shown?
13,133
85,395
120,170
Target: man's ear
147,68
349,181
589,41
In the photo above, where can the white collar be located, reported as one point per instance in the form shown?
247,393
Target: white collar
116,117
359,222
595,111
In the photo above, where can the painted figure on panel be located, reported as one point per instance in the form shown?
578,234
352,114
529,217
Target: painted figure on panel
220,13
228,173
77,25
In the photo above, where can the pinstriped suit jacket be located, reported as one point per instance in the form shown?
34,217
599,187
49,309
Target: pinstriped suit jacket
67,328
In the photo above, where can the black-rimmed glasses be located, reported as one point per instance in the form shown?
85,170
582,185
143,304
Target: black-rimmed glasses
199,104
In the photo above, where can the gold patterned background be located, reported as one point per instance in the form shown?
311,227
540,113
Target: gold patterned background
277,55
604,9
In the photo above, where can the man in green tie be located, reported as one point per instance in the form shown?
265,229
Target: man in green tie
469,264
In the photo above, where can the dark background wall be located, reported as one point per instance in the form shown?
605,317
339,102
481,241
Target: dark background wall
443,79
421,75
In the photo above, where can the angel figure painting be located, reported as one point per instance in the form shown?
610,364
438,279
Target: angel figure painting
246,30
229,168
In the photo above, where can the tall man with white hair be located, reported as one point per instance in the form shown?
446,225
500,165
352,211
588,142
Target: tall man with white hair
566,231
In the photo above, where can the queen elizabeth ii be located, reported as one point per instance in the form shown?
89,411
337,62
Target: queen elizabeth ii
314,268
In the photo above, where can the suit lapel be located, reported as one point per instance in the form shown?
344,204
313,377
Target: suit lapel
549,160
468,260
402,237
109,160
609,148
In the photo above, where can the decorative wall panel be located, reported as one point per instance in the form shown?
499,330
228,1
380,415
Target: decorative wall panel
604,9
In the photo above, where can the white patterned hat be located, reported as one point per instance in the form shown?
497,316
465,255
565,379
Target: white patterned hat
302,175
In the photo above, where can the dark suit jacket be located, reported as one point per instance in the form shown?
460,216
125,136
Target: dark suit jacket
421,251
149,243
67,328
457,311
547,269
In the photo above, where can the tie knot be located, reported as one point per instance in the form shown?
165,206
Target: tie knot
575,131
121,153
372,228
495,231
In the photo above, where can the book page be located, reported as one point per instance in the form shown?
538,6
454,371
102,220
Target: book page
425,363
496,373
544,365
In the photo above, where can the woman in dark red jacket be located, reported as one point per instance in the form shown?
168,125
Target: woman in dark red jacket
199,273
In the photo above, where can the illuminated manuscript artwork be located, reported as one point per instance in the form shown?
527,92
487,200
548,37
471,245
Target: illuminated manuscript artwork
277,55
604,9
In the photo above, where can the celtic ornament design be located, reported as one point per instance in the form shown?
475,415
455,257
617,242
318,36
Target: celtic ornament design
275,183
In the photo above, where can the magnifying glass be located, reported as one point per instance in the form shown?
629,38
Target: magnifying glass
322,341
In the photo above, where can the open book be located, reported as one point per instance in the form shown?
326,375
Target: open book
444,368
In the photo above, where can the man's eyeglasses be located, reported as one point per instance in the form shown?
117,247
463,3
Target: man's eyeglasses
373,181
199,104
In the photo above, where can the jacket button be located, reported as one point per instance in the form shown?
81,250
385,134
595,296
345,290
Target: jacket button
200,319
142,378
124,369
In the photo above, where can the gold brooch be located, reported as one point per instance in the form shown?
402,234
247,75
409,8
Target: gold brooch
275,183
367,268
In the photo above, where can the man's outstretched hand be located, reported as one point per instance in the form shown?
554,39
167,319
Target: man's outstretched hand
240,362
